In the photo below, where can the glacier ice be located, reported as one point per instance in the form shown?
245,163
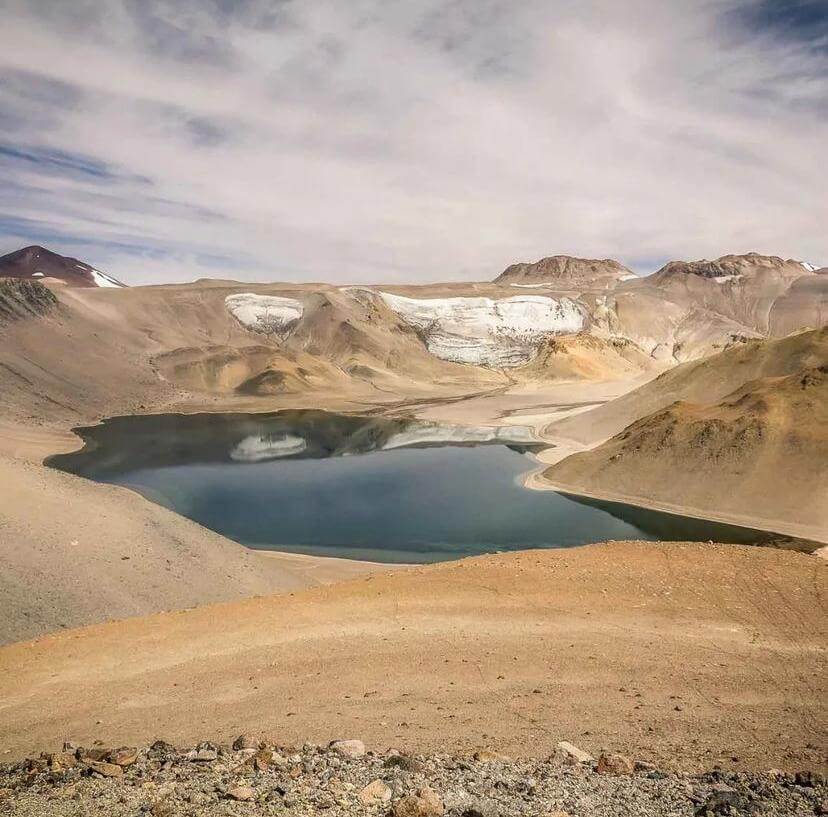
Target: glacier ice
269,314
485,332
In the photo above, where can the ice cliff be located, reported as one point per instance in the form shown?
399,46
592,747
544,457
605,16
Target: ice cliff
485,332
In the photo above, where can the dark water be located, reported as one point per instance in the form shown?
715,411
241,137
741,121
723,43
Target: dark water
320,483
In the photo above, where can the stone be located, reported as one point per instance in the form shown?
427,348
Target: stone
375,792
241,793
105,769
573,754
347,748
612,763
262,760
95,754
124,756
203,755
424,803
62,760
721,797
404,762
245,742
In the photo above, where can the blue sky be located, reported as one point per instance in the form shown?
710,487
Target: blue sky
414,140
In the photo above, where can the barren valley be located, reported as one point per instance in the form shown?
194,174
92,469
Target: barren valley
699,390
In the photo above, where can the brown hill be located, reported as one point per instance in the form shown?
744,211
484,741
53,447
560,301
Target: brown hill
707,380
566,272
761,451
38,263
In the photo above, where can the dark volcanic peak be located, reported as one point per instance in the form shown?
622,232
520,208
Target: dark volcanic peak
37,263
565,269
731,266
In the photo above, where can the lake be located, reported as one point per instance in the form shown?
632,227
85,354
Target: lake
378,488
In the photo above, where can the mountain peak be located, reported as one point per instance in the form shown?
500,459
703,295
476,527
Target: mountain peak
35,262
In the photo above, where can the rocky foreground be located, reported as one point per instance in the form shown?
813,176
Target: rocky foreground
252,778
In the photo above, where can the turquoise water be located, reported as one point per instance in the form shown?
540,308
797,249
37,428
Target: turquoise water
319,483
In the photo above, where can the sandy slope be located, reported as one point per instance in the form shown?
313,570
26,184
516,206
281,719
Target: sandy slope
688,654
74,552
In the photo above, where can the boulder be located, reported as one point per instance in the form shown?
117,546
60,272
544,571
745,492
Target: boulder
105,769
424,803
245,742
375,792
572,754
347,748
611,763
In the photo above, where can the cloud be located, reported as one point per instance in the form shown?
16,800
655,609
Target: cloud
410,141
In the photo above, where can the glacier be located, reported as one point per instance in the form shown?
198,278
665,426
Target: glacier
269,314
500,333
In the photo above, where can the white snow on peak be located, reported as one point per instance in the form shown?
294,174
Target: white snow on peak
485,332
103,280
258,448
631,276
269,314
809,267
438,434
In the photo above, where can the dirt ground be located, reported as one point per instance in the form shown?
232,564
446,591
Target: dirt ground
685,654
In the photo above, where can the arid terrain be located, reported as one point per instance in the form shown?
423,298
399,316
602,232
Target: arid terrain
700,389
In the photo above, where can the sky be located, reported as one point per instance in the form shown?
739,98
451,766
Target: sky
410,140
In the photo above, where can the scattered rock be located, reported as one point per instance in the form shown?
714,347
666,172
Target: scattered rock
242,793
375,792
348,748
573,754
245,742
404,762
610,763
425,803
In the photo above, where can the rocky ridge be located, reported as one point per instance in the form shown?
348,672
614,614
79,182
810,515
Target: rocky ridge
256,777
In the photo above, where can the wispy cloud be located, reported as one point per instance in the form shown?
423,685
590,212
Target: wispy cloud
369,140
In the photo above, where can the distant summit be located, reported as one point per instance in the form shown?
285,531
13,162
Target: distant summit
733,266
37,263
565,270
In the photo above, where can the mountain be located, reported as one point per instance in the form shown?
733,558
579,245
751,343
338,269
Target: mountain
37,263
760,451
565,271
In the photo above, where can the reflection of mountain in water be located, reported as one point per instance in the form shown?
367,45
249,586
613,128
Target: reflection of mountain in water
663,526
123,444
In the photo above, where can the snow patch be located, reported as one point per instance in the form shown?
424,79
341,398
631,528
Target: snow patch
103,280
486,332
809,267
269,314
37,274
258,448
722,278
532,286
629,277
